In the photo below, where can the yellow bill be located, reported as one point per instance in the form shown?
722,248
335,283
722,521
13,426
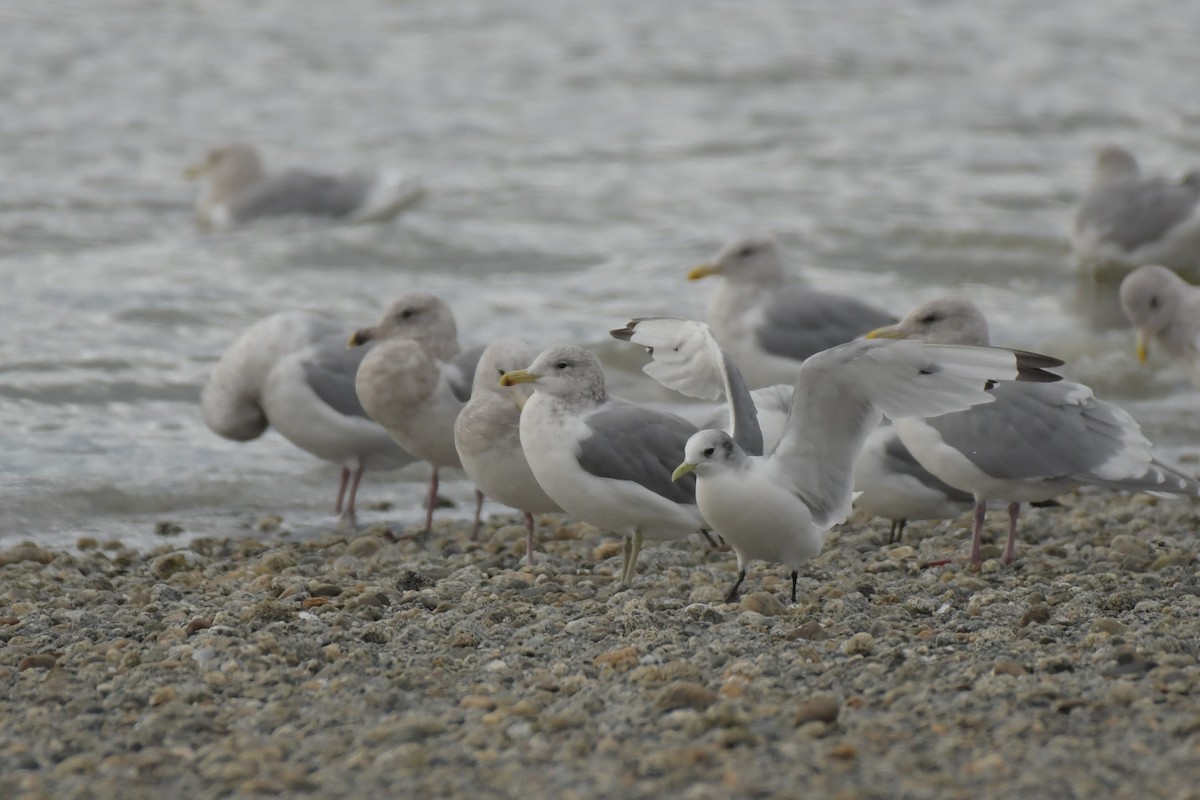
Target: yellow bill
703,271
518,376
683,469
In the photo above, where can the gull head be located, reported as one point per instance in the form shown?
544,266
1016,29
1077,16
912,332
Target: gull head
1114,162
568,372
500,357
947,320
1150,299
750,259
706,451
229,168
420,317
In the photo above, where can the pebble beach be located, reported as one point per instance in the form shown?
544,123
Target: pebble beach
370,665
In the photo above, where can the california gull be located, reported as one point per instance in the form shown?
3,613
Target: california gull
487,435
1035,442
603,460
1126,220
291,371
778,507
236,189
770,320
416,381
1164,308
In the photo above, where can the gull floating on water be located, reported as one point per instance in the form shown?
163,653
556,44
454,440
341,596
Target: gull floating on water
487,436
1036,441
235,189
291,371
1126,220
769,320
602,460
415,381
779,507
1164,308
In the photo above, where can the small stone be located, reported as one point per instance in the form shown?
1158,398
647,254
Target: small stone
266,611
314,602
269,523
1006,666
197,624
843,752
163,694
166,566
1038,613
39,661
858,644
363,546
9,620
478,701
684,694
26,551
1132,546
822,708
1109,625
86,543
901,553
812,631
325,590
606,550
167,528
620,658
763,603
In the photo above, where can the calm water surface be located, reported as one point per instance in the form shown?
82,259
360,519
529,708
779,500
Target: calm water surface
580,157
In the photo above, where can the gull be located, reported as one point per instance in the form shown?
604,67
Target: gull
1035,442
415,381
768,320
1163,307
1128,220
235,189
778,507
603,460
888,481
291,371
488,438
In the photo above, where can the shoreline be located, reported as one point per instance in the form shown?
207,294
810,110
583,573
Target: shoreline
366,666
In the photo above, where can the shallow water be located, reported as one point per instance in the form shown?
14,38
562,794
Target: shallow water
579,158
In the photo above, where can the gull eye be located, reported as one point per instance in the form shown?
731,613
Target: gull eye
561,365
929,319
501,370
746,251
407,313
708,451
1154,301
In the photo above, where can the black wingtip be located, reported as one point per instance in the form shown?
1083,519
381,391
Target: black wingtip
626,333
1034,367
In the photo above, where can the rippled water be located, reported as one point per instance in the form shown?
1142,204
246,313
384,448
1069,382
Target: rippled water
579,157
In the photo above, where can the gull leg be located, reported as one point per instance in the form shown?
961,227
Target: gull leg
795,575
711,542
1010,549
530,549
977,538
349,520
896,534
478,511
733,590
626,550
431,500
635,548
342,489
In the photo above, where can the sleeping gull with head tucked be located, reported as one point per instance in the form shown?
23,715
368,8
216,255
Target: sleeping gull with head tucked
1035,442
292,372
604,461
769,320
1126,220
1164,308
779,507
415,382
236,189
487,436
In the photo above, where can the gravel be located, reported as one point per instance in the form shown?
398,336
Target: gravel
373,666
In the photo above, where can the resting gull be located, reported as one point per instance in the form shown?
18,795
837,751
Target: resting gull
415,382
1035,442
778,507
488,438
291,371
1163,307
235,189
1127,220
603,460
768,320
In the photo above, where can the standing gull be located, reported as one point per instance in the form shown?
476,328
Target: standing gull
769,320
602,460
1128,220
291,371
778,507
415,382
487,436
1165,308
888,481
235,189
1035,442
